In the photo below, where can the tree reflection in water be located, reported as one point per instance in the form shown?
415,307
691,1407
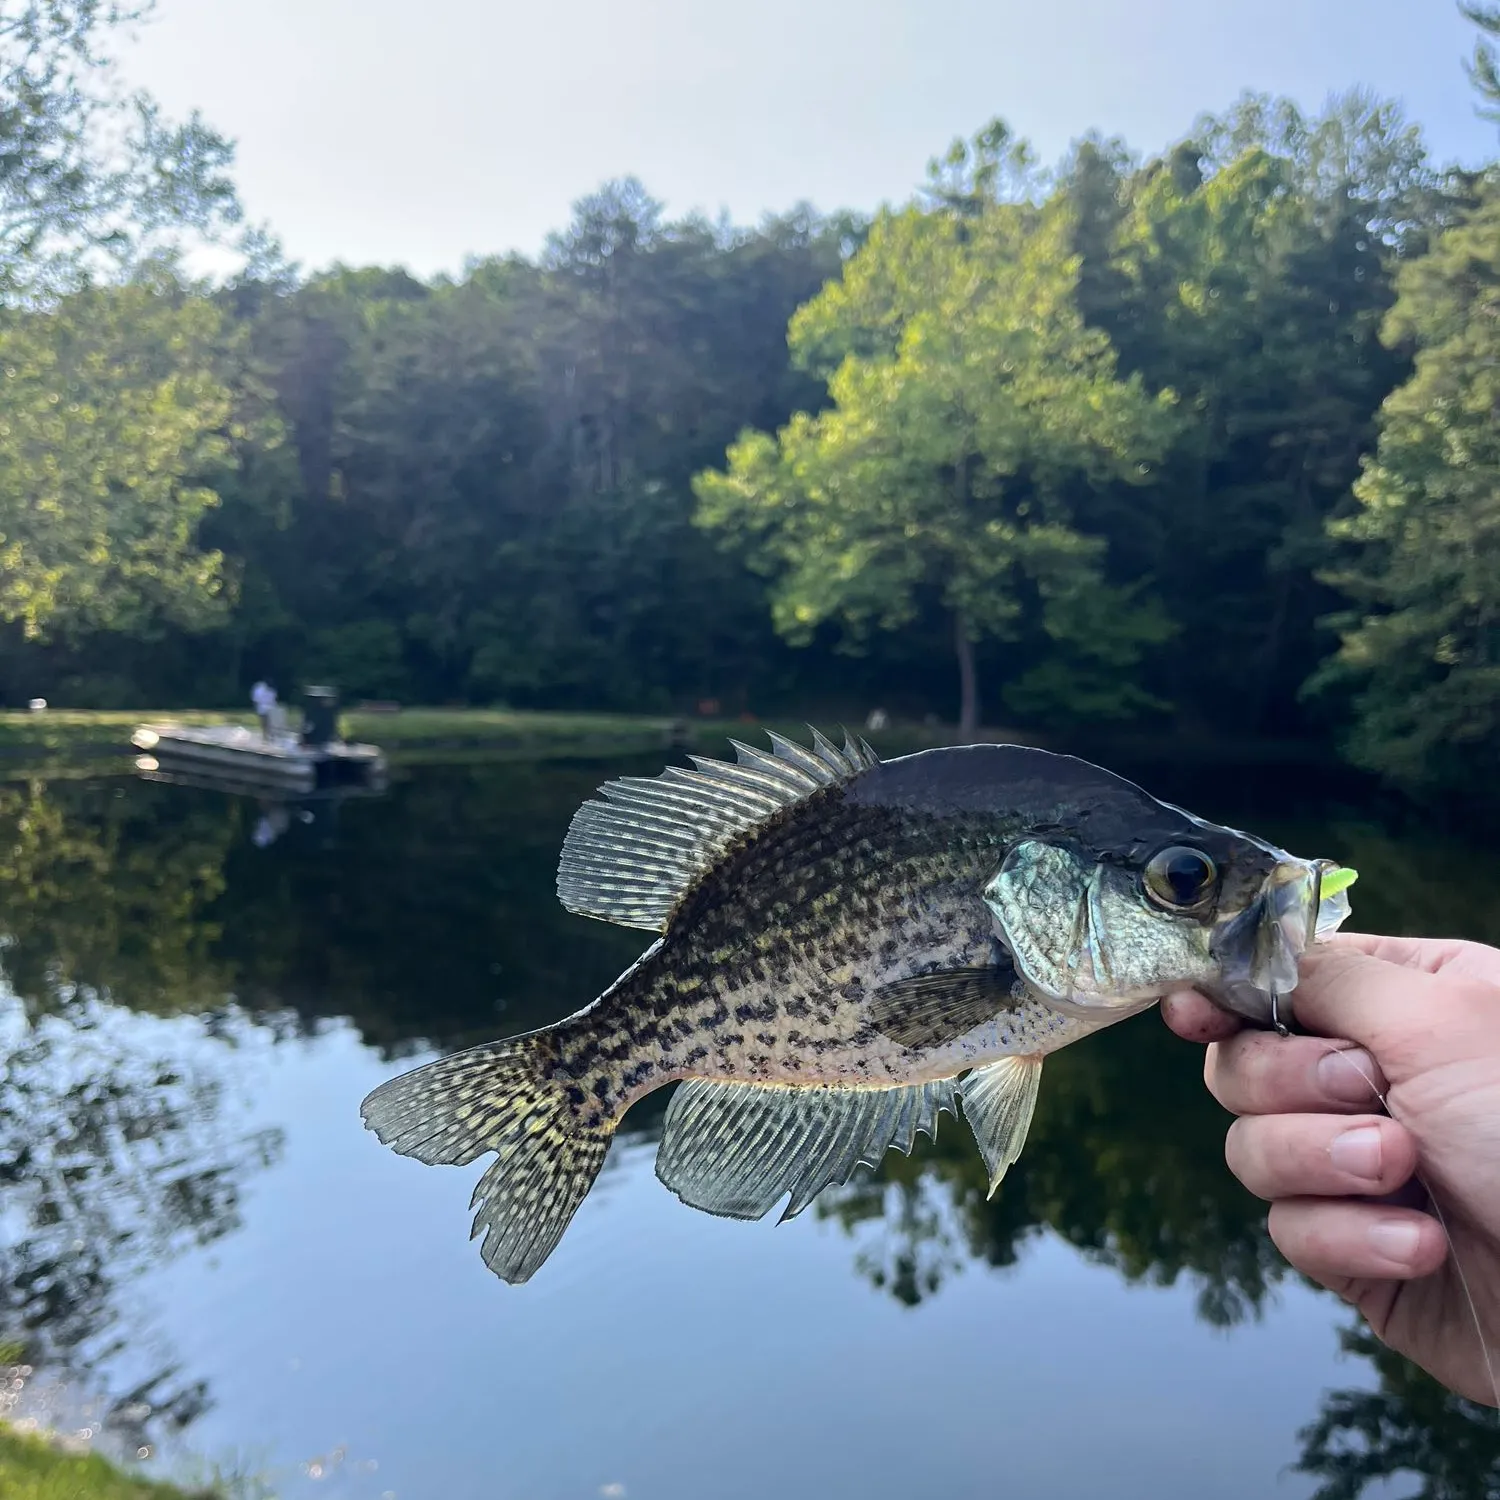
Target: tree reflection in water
117,1152
1410,1426
1135,1179
1124,1161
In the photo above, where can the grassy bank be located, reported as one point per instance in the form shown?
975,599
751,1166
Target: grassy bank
32,1468
75,736
82,731
68,730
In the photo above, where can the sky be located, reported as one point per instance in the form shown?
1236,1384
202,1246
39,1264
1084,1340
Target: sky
378,132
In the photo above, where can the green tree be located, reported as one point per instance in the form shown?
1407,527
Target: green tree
1484,67
1421,651
117,419
1249,268
970,407
488,492
91,177
491,497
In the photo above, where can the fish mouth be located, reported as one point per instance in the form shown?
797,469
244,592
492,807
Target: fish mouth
1258,950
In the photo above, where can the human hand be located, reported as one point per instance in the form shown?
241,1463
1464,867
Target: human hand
1418,1021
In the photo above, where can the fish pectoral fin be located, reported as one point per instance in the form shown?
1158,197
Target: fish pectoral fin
998,1103
735,1149
929,1010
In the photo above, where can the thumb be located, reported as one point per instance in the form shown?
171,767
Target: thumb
1405,1018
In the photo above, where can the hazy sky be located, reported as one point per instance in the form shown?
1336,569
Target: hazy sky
374,131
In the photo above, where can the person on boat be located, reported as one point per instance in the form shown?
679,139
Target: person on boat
263,696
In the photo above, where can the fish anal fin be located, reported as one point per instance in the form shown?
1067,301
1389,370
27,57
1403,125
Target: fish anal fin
998,1103
930,1010
736,1149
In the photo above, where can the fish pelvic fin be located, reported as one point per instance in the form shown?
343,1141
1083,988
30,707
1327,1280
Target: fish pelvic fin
998,1103
501,1097
630,857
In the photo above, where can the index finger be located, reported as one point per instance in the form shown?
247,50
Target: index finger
1397,1012
1427,954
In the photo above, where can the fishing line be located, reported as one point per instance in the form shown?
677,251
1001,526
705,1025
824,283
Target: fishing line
1442,1218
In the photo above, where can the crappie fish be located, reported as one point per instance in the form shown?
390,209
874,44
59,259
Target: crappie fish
847,947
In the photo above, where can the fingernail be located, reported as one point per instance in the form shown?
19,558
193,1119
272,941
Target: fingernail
1346,1075
1395,1240
1357,1152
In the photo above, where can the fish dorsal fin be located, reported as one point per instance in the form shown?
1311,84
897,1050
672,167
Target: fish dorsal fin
630,858
998,1104
736,1149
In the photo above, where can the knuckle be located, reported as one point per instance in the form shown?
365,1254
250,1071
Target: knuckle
1478,997
1289,1158
1478,957
1249,1152
1306,1239
1229,1068
1248,1074
1286,1230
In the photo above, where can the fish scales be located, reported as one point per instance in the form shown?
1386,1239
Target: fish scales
730,993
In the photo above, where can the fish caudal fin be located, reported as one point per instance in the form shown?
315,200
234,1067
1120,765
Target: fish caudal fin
998,1103
502,1098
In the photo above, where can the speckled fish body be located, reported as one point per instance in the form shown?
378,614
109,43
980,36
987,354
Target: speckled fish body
846,948
765,972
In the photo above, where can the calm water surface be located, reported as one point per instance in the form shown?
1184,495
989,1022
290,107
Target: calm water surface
207,1260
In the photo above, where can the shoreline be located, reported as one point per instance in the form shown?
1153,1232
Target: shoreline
415,734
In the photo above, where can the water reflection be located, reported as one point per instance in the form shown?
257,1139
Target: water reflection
431,917
1124,1161
428,919
110,893
1409,1426
274,812
116,1155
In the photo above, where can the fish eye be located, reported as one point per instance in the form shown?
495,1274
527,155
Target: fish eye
1180,877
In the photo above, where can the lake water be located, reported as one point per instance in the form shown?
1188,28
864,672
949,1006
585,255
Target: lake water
209,1261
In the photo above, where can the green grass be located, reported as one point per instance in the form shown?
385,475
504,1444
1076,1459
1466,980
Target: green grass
80,729
55,739
64,742
413,731
69,729
464,728
32,1468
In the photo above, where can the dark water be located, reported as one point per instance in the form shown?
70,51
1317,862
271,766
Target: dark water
207,1259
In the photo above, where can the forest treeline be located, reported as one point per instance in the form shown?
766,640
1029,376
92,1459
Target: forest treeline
1203,440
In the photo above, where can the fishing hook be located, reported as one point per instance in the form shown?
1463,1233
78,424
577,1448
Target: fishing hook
1282,1029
